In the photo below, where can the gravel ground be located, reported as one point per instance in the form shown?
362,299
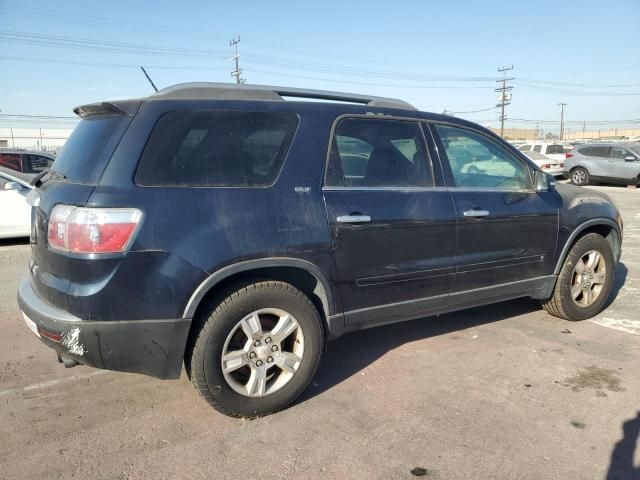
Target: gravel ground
499,392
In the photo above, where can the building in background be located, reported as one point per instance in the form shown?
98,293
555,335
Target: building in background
47,139
518,133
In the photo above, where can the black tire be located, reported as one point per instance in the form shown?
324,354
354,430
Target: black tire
223,317
580,176
561,303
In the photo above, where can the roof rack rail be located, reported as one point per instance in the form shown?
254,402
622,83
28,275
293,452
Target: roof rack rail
232,91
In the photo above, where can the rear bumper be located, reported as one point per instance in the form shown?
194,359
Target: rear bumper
150,347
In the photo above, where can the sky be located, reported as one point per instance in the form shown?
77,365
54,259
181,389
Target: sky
436,55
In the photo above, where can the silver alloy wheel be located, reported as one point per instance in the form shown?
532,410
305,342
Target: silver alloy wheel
578,177
263,352
589,276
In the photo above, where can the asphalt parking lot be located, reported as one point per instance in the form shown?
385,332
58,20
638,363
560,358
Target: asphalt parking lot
499,392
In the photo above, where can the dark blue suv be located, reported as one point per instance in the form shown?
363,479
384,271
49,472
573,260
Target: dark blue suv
230,229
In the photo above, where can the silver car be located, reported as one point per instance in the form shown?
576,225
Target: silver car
604,162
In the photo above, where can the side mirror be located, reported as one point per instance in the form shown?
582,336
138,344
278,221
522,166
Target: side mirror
543,181
12,186
630,158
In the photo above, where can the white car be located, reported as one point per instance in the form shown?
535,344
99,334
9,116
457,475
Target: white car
547,164
554,151
15,212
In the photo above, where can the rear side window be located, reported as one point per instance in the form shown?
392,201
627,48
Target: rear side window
586,151
525,148
538,148
83,148
216,149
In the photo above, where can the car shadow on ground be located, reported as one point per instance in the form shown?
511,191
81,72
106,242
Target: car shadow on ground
9,242
618,282
621,466
355,351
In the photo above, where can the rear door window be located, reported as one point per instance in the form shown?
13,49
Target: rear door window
525,148
600,151
378,153
85,145
217,149
538,148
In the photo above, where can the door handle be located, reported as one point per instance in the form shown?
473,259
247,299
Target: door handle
353,219
475,213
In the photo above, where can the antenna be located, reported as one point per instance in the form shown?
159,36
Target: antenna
149,78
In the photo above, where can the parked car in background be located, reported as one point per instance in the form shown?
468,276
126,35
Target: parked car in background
604,162
555,151
227,228
26,161
547,164
15,212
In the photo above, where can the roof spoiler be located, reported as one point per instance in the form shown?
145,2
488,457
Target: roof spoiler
127,107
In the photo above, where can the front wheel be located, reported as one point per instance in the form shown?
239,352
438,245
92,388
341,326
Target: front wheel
258,349
585,280
580,176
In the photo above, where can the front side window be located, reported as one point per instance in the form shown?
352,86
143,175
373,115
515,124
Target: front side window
378,153
621,153
476,161
199,148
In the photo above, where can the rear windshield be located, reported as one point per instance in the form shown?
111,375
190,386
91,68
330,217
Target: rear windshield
216,149
555,149
83,148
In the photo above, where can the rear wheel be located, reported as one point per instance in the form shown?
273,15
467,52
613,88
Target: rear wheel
257,350
585,281
580,176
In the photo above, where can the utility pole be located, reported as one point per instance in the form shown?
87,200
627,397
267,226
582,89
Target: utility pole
584,128
562,105
505,95
238,71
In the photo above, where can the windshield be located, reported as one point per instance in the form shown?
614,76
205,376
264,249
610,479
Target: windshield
83,148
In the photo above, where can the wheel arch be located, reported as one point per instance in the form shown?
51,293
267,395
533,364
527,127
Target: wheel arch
606,227
300,273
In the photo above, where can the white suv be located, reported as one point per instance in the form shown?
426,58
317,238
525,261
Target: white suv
554,151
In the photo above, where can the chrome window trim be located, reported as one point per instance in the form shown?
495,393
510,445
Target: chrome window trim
384,189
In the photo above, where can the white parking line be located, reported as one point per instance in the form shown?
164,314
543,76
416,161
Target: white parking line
51,383
624,325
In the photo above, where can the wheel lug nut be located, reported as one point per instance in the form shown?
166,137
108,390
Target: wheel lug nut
274,348
267,340
259,363
269,359
257,343
252,355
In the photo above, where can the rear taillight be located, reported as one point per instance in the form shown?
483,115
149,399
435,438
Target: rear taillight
561,165
92,230
568,155
545,166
